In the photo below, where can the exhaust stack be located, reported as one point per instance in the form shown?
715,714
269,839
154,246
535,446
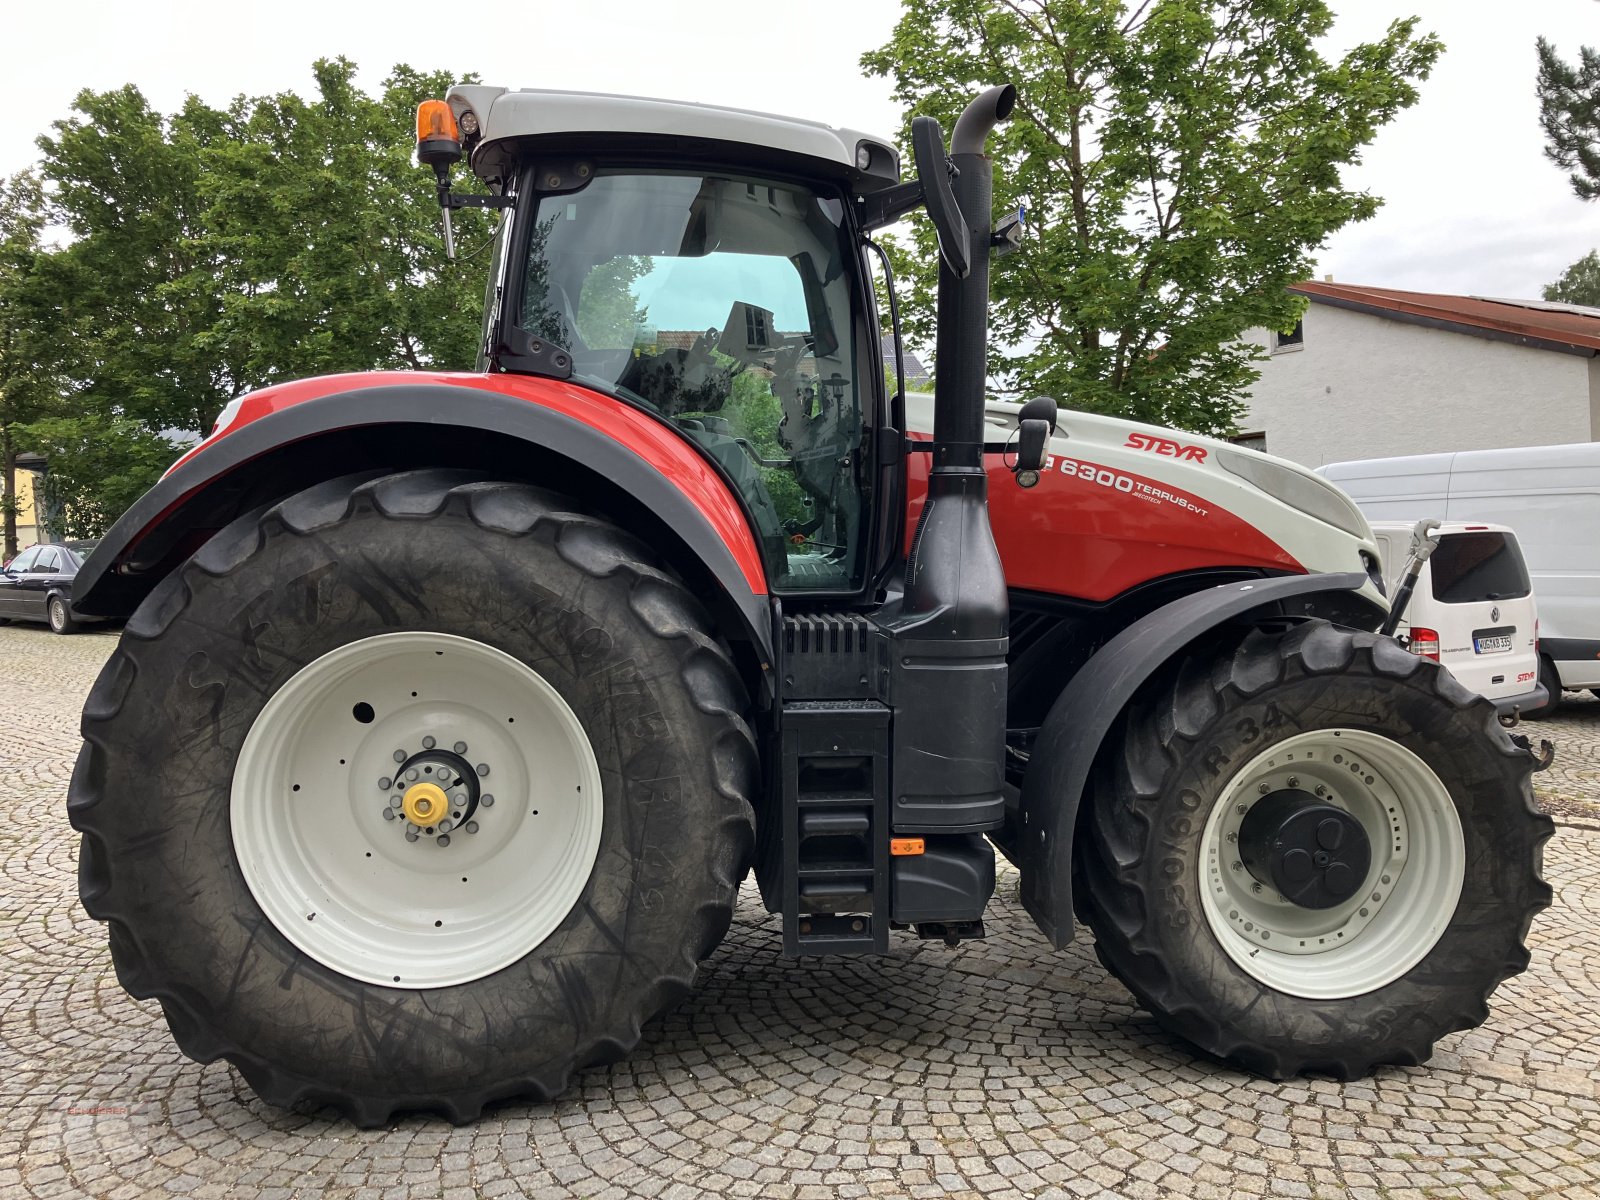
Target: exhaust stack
951,631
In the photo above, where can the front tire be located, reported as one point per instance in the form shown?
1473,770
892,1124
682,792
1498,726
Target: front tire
1379,956
249,836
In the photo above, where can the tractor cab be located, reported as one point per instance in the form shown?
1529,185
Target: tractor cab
707,265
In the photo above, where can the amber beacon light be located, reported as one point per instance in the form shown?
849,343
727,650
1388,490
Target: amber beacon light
438,137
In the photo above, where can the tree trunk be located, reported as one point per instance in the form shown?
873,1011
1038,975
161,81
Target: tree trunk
8,491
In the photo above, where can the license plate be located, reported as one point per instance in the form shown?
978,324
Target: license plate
1492,645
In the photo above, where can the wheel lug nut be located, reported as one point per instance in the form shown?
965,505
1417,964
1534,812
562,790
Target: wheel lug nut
1240,808
1238,866
388,814
483,768
445,840
385,784
1256,888
444,826
399,756
461,747
1294,781
411,774
1233,837
428,743
472,827
411,835
1263,788
486,800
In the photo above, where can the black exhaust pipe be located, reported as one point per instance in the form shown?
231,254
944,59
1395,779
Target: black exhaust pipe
949,687
963,340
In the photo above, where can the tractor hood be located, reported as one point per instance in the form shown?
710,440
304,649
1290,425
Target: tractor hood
1214,502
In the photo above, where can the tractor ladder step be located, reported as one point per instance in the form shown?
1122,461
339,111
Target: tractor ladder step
835,827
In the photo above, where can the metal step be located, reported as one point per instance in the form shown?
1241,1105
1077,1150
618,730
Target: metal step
835,827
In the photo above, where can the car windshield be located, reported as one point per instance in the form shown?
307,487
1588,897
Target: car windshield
725,305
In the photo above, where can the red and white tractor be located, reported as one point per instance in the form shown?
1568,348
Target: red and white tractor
453,708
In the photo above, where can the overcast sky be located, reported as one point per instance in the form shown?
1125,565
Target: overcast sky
1472,205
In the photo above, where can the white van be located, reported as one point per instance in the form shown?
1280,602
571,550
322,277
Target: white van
1549,494
1472,609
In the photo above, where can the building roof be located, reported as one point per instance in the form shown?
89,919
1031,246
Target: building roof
916,373
1573,328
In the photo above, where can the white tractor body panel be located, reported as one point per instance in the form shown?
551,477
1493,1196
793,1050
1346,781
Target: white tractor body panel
1197,466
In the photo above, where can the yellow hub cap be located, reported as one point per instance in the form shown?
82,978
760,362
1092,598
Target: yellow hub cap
425,804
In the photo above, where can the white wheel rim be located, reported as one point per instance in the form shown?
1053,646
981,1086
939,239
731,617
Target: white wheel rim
342,881
58,613
1411,889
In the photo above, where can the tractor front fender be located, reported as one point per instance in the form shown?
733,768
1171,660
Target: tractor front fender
607,454
1039,840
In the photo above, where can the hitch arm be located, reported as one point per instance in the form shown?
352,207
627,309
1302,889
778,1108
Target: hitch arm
1422,548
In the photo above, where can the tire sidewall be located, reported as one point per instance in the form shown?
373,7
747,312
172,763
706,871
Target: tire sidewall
1487,920
242,635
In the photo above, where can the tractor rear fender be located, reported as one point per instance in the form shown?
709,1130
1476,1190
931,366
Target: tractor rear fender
1039,839
612,458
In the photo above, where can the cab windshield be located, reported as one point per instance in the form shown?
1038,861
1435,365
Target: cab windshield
724,304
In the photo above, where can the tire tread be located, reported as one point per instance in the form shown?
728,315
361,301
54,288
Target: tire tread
675,617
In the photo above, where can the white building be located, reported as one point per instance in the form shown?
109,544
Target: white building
1372,372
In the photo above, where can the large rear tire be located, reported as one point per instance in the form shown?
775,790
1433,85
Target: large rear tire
262,855
1383,955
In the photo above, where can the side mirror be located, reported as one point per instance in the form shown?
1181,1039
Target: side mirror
933,172
1034,427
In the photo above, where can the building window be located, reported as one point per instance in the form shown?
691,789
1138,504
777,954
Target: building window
1295,339
1250,441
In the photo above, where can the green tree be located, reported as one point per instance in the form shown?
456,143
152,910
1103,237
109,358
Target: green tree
140,283
327,235
213,251
1569,113
1579,283
28,340
1179,162
96,467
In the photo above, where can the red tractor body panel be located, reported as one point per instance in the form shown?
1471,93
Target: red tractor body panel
1094,534
664,450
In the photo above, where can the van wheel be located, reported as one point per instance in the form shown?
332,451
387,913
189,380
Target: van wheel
1551,679
1313,852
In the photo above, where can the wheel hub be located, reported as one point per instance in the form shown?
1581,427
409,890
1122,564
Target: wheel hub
1314,853
1414,853
442,793
424,803
332,851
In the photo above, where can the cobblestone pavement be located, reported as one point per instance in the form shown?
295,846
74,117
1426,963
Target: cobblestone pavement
1000,1069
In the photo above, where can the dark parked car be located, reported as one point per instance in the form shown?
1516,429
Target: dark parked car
36,585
